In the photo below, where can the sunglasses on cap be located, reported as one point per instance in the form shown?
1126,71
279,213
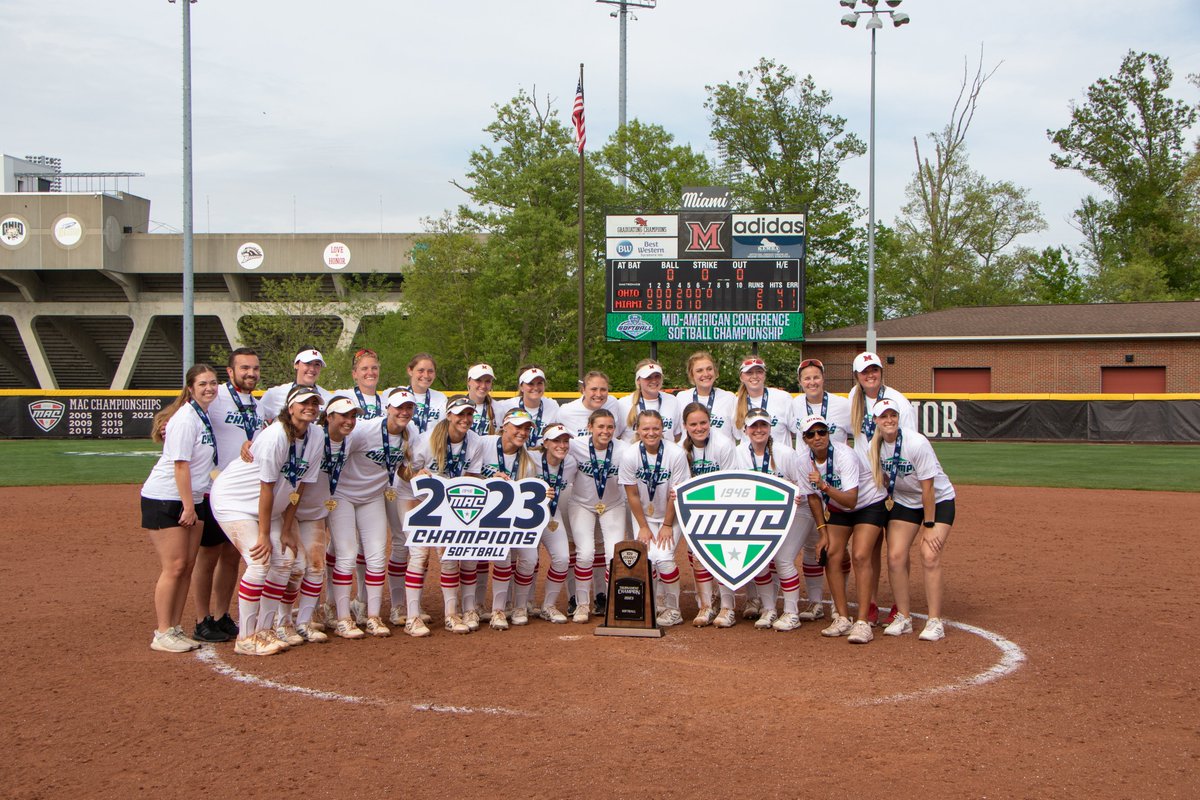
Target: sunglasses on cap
815,432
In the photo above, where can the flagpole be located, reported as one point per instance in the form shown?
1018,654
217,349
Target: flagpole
582,240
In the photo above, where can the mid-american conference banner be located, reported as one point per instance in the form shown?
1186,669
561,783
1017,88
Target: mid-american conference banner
476,519
78,415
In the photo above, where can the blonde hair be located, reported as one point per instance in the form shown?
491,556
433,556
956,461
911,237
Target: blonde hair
743,402
158,427
636,397
439,438
649,412
688,445
873,450
702,355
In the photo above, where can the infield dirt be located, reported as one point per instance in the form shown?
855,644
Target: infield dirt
1096,587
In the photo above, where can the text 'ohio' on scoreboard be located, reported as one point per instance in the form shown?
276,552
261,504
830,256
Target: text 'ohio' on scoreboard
704,276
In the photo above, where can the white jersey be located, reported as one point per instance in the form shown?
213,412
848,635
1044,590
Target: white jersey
559,478
235,420
431,407
574,417
371,406
484,423
664,476
271,403
833,407
605,466
458,456
721,405
862,436
717,454
666,405
848,471
778,404
276,460
784,463
543,415
369,461
186,438
312,504
488,460
915,462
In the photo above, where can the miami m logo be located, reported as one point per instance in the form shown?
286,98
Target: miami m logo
705,236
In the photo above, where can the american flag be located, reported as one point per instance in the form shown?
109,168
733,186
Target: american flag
577,117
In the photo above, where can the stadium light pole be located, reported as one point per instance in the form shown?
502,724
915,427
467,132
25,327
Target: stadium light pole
874,23
189,310
622,14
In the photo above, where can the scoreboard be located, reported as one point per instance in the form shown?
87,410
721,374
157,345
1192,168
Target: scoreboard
705,276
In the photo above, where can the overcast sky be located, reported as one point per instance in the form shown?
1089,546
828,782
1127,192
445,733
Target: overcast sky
358,114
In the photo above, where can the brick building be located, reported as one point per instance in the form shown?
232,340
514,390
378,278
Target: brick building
1087,349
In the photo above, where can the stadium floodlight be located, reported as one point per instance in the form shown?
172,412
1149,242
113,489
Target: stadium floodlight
874,23
848,3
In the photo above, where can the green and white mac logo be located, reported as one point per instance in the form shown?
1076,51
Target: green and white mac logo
467,502
735,522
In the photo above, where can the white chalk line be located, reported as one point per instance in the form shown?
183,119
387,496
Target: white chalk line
209,655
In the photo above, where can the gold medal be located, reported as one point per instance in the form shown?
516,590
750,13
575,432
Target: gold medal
827,514
294,498
600,508
553,526
390,495
330,504
214,474
889,503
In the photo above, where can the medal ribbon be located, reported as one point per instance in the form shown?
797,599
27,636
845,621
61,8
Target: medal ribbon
335,464
652,477
293,462
868,426
893,464
368,409
500,459
536,431
824,406
389,463
207,426
712,396
600,470
455,461
766,465
556,482
249,418
828,472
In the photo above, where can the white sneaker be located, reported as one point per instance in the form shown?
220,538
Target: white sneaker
753,608
766,619
704,617
839,627
934,630
415,627
860,633
397,617
167,642
520,616
898,626
812,612
358,611
183,637
583,613
498,622
311,634
725,618
471,618
454,623
552,614
376,628
669,617
288,633
346,629
787,622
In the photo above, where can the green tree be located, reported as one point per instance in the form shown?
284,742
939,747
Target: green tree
1129,138
1053,277
655,168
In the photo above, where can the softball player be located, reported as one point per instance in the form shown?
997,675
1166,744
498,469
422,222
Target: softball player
531,391
814,399
365,394
922,500
446,450
761,452
558,470
648,394
431,404
479,391
649,471
173,503
308,364
706,453
321,496
506,456
754,394
377,453
258,510
593,396
235,423
721,404
595,495
854,506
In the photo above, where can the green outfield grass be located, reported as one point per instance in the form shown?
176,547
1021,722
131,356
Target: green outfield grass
1086,466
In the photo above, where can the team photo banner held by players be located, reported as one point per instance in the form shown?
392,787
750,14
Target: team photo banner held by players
476,519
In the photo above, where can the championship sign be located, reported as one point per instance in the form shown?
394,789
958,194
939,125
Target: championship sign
475,519
735,521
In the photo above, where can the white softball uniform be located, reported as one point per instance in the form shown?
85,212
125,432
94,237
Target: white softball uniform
431,407
545,414
371,406
185,439
481,423
778,404
271,403
914,461
721,405
862,436
665,404
581,505
643,471
847,471
574,417
235,420
833,407
716,454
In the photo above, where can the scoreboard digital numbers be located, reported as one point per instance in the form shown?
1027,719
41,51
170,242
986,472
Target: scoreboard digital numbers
705,276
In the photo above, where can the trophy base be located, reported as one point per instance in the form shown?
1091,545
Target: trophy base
641,633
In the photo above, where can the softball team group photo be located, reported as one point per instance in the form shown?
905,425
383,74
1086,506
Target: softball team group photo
293,502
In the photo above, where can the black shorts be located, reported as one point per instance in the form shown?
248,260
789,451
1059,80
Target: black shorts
943,512
214,535
875,514
160,514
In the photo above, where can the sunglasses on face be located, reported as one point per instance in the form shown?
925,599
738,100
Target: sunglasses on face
815,432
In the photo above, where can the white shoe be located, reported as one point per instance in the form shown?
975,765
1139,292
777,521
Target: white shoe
454,623
358,611
183,637
398,617
766,619
753,608
471,618
725,618
288,633
311,634
375,627
498,622
813,611
669,617
899,626
417,628
787,622
552,614
860,633
520,616
167,642
583,613
839,627
346,629
704,617
934,630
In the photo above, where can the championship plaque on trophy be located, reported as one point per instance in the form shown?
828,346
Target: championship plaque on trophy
631,609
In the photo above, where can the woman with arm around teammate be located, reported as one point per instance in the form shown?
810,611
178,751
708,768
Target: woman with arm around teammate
593,396
365,394
721,403
922,501
255,502
558,470
706,453
814,399
853,507
755,394
174,508
648,395
649,471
